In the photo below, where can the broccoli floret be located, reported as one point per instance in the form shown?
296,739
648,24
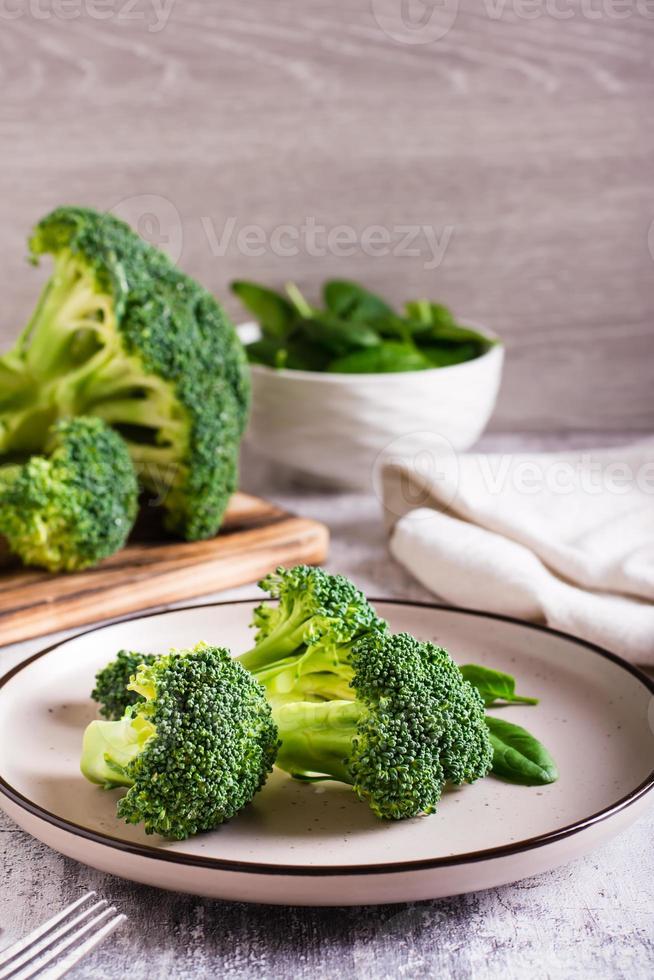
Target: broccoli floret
193,752
111,689
120,333
314,608
302,647
74,506
414,725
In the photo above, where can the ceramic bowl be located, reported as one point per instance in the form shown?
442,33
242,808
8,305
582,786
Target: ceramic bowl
337,427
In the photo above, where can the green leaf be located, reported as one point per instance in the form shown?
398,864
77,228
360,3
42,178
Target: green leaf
445,355
336,335
352,302
294,354
518,757
430,314
387,357
264,351
435,322
276,316
493,685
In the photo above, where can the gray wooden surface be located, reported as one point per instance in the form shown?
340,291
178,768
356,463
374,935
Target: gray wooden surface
591,919
523,140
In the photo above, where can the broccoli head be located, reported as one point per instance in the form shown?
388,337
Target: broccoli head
313,608
121,334
193,752
75,505
414,725
112,691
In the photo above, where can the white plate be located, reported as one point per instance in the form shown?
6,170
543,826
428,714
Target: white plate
316,844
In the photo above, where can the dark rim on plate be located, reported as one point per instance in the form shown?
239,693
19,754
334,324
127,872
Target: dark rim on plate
244,867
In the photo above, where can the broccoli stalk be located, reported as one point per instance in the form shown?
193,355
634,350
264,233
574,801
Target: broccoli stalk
121,334
193,752
414,725
69,509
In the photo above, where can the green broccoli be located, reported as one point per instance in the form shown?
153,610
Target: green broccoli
193,752
415,724
309,632
112,690
314,607
74,506
121,334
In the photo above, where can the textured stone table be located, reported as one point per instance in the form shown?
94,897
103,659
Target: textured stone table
592,918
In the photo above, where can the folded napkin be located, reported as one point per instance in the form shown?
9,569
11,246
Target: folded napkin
566,538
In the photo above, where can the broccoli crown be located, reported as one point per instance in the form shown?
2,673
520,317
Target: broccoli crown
313,608
415,725
194,752
121,333
71,508
111,690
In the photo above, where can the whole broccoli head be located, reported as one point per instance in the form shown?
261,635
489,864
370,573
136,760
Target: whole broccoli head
194,752
112,690
122,334
414,725
70,508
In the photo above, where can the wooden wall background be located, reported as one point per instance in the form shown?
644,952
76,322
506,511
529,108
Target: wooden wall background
532,139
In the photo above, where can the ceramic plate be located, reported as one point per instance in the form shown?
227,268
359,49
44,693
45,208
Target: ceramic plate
317,844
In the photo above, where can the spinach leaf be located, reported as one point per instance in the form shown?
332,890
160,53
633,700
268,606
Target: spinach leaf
445,355
265,351
493,685
426,314
354,303
357,332
294,354
276,316
387,357
337,335
519,757
434,322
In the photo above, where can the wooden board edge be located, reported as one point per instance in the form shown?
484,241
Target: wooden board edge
308,544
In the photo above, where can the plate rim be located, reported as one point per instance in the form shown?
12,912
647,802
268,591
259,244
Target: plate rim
319,871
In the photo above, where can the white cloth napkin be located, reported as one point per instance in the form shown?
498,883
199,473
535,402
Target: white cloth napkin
565,538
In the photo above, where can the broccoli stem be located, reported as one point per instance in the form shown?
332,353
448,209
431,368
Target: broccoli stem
322,673
316,738
288,637
121,741
43,370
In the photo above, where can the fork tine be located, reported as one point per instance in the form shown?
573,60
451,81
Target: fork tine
68,962
35,967
21,944
49,939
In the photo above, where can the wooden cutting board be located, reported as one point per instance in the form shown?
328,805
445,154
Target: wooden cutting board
255,537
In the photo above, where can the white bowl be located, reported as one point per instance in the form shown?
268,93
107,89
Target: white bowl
338,426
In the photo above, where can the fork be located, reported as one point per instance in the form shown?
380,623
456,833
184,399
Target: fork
75,937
